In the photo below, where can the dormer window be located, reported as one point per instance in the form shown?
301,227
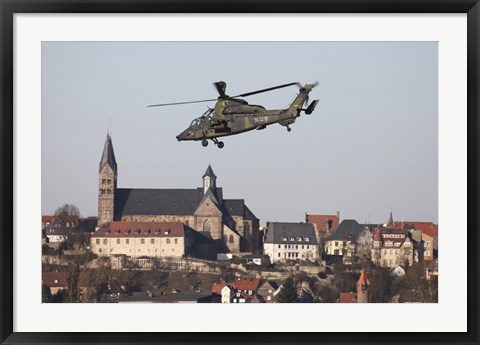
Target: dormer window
107,232
128,231
117,232
138,231
167,231
307,239
147,231
284,239
292,239
157,232
299,239
56,281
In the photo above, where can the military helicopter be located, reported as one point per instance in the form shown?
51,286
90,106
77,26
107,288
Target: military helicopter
232,115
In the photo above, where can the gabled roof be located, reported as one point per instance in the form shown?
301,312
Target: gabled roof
209,172
108,156
425,227
247,284
324,222
348,230
141,229
55,279
47,218
299,232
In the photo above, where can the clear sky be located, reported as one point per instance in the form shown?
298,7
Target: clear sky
370,146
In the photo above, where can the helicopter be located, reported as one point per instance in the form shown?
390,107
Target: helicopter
232,115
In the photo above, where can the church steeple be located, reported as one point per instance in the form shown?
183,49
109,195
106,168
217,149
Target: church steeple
390,220
209,179
108,156
107,183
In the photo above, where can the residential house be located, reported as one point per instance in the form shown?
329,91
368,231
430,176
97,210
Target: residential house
324,224
291,241
266,291
351,239
392,248
56,281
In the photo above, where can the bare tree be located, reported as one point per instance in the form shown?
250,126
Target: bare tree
67,210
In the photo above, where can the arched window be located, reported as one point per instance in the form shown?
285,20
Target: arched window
206,225
246,229
230,239
187,223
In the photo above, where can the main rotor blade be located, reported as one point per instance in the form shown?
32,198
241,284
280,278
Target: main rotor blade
178,103
266,90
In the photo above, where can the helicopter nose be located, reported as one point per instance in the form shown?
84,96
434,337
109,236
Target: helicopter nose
184,135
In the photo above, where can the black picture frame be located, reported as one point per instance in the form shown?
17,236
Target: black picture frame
10,7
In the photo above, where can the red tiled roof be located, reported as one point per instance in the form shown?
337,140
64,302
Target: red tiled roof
141,229
247,284
47,218
321,220
348,297
55,279
426,227
217,288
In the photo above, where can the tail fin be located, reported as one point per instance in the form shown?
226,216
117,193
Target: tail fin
297,104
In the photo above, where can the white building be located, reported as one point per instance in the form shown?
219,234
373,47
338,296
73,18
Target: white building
291,241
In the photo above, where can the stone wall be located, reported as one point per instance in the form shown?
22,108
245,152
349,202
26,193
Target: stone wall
106,192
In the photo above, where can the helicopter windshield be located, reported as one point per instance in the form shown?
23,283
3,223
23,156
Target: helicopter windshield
196,123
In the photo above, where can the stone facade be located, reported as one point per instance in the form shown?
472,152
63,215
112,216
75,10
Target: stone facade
230,223
142,239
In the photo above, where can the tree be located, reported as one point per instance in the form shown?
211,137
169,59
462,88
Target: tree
46,294
288,292
67,210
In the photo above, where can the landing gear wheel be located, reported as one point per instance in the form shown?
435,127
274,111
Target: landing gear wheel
289,129
204,142
220,144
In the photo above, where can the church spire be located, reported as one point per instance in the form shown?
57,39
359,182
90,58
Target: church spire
108,156
390,220
209,179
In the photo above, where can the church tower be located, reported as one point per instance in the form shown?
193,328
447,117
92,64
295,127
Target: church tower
107,183
209,179
362,287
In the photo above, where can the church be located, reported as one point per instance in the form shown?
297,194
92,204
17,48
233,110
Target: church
229,222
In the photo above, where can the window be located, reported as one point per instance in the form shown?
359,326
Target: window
269,298
109,191
279,246
109,181
296,246
187,223
336,244
285,246
118,241
142,241
303,246
127,241
278,254
230,239
105,241
168,241
292,239
308,247
307,239
206,225
396,252
284,239
103,180
97,241
152,241
176,241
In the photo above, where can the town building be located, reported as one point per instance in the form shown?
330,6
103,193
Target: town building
392,248
325,224
231,224
291,241
143,239
351,239
57,228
